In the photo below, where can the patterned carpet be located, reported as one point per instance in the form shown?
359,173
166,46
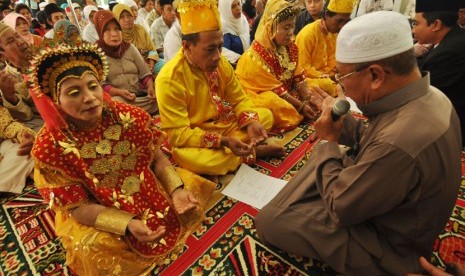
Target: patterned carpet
225,244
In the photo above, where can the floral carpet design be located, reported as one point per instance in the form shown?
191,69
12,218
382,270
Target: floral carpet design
225,244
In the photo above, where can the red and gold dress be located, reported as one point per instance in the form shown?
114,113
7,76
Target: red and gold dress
111,165
267,75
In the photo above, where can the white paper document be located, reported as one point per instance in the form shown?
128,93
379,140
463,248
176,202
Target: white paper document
253,187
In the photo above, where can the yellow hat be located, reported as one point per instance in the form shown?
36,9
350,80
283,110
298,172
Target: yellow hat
341,6
199,16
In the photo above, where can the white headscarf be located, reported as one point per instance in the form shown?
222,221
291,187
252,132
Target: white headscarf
87,10
239,27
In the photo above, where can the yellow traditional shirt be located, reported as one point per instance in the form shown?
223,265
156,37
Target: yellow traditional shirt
266,76
10,129
317,50
188,98
22,110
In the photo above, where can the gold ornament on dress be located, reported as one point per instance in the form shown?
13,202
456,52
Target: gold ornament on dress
126,120
88,150
131,185
69,147
112,132
104,147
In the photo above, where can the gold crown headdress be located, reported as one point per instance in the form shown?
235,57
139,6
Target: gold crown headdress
199,16
288,12
49,63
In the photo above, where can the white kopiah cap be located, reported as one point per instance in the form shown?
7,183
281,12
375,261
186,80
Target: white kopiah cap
373,36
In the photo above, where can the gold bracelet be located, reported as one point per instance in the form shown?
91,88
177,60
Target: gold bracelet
113,220
170,179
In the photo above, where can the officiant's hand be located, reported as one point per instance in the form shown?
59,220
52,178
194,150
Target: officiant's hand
434,271
325,127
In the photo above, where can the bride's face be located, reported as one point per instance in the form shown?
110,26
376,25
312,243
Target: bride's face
284,32
81,98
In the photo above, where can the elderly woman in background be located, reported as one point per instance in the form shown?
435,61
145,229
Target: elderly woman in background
269,70
235,29
135,12
121,208
22,26
138,36
129,78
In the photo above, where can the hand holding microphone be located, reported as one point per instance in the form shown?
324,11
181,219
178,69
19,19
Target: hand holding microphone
328,126
340,107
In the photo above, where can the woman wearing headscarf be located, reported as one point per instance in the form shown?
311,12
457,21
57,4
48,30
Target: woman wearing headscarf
89,33
20,24
121,208
129,78
135,12
66,32
269,71
235,29
138,36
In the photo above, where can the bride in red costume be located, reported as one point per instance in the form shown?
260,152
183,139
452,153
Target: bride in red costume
121,208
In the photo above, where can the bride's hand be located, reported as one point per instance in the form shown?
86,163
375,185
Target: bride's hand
183,201
143,233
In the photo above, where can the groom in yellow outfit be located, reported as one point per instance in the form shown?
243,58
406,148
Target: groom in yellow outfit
317,45
211,123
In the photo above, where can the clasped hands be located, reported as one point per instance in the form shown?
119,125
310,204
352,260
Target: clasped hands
257,134
311,104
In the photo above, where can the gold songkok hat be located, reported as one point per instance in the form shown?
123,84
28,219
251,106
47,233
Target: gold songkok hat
199,16
50,64
341,6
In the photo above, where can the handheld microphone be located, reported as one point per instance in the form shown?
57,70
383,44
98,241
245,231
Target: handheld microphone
340,107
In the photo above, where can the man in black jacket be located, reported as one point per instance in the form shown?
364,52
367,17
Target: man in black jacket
435,23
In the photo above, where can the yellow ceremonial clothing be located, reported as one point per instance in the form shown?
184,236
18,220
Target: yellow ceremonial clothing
197,107
111,165
317,50
266,80
11,129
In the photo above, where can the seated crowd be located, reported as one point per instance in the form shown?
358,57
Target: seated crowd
80,86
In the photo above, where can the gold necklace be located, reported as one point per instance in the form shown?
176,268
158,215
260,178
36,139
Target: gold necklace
286,63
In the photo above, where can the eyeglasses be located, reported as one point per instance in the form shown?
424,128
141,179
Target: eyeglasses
338,76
